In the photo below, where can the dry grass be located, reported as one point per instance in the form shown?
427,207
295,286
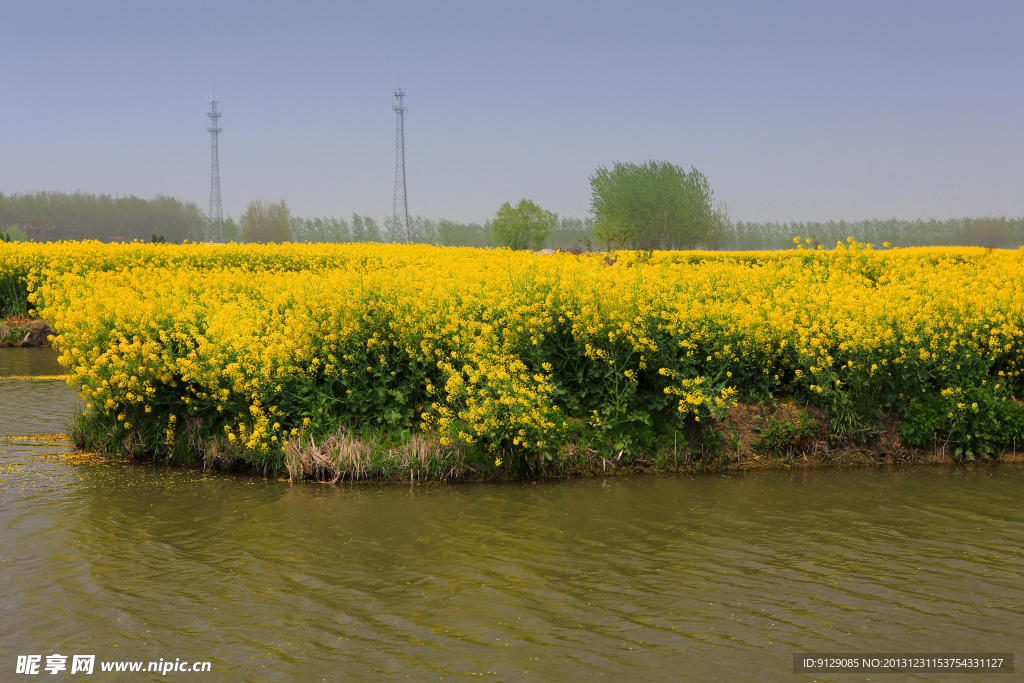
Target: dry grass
343,455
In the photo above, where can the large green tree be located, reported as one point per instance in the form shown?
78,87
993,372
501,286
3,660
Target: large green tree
654,205
265,222
523,225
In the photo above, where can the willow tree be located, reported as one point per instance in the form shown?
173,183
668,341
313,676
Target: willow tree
654,205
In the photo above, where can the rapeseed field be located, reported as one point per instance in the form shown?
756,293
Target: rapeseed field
238,351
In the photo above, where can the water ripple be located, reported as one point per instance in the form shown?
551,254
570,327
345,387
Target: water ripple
713,577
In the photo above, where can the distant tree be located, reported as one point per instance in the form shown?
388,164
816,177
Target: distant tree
372,230
654,205
571,233
993,233
358,230
452,234
424,230
336,230
264,222
320,230
15,234
523,225
394,228
48,216
720,224
231,231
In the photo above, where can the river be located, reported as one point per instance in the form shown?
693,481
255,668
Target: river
708,577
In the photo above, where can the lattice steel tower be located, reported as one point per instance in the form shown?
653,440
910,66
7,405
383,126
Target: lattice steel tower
400,207
216,227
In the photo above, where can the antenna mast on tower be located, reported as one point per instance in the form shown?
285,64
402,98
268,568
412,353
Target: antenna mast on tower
400,207
216,217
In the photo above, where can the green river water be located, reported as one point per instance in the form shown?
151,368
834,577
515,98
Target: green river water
710,577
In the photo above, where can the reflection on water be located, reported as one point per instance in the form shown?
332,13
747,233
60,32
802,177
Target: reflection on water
36,406
33,360
718,577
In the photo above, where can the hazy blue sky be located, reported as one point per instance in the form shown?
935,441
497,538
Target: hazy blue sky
805,111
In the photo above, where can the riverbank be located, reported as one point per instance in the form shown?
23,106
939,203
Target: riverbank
23,331
768,435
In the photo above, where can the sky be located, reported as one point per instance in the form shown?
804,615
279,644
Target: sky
794,111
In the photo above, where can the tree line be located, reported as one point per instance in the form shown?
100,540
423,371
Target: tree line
52,216
567,233
653,205
988,231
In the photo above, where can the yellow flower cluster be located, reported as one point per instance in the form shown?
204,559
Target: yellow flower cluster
501,348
